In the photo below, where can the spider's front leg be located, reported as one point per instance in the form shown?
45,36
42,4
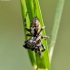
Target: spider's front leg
41,30
28,35
25,22
41,37
44,37
28,29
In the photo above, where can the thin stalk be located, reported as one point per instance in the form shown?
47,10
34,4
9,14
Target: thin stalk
55,27
42,63
33,10
24,10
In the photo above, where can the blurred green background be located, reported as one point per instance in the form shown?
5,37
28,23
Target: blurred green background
12,55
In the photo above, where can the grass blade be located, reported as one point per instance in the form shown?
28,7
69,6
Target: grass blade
42,63
33,10
55,27
24,10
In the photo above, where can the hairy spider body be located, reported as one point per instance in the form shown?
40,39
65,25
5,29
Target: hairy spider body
35,27
34,42
38,47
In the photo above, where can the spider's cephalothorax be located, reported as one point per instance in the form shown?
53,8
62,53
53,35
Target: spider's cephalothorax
34,42
35,28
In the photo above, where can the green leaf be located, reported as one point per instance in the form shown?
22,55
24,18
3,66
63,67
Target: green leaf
24,10
42,63
55,27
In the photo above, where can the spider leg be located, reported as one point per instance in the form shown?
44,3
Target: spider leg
25,46
25,22
32,48
41,30
43,47
28,29
38,49
28,35
40,45
25,19
39,52
44,37
37,39
26,41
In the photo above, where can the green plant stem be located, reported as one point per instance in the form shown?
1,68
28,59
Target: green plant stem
33,9
24,10
42,63
55,27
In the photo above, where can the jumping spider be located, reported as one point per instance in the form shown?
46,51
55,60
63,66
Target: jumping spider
34,42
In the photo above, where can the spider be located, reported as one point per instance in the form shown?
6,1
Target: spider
34,42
